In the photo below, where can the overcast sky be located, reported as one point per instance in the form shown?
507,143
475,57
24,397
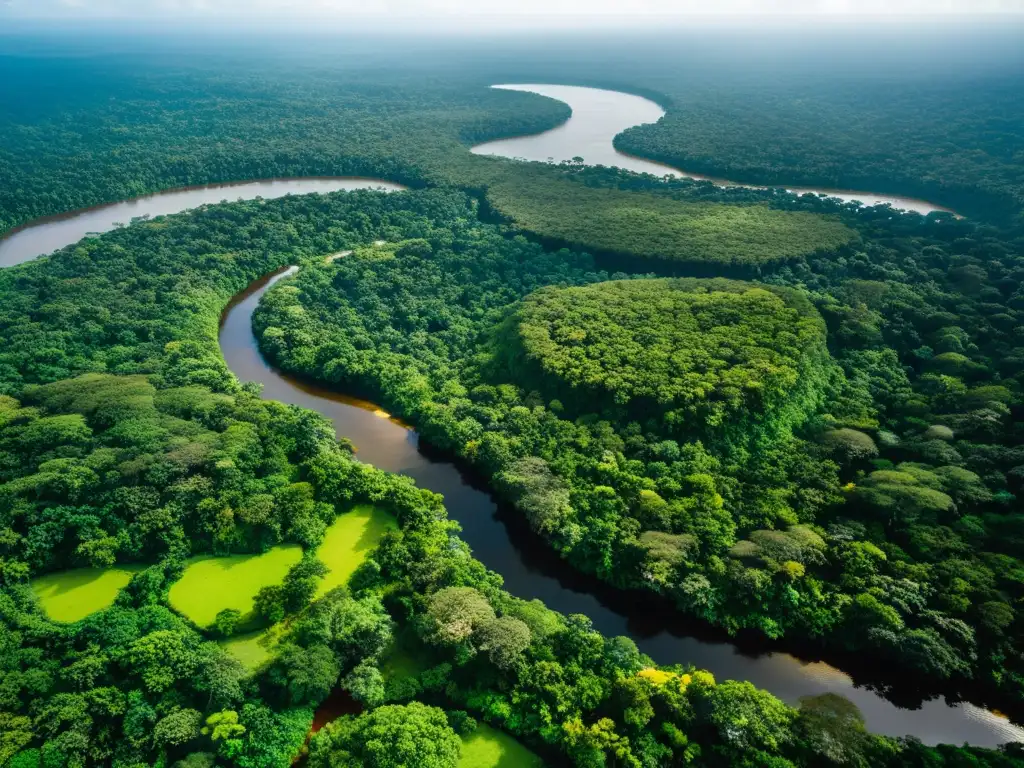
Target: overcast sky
480,9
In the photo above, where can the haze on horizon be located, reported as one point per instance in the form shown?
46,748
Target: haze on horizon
460,13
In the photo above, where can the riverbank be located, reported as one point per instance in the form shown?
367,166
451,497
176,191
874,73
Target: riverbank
531,570
599,115
389,445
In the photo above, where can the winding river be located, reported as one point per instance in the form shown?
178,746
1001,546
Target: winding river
531,570
46,235
499,540
598,116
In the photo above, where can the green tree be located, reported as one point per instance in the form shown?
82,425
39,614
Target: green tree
224,725
177,728
744,717
455,613
388,737
366,684
17,733
504,639
225,622
306,675
849,445
269,603
162,659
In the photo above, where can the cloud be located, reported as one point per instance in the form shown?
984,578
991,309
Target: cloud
573,11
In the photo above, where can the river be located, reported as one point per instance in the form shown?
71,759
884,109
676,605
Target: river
529,568
598,116
44,236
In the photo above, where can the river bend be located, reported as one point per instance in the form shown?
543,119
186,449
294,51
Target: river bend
598,116
43,236
529,568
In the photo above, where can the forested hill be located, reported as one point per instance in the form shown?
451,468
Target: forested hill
866,497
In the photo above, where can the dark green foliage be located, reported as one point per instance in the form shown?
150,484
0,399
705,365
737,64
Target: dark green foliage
118,309
269,603
951,140
124,685
140,447
128,139
356,630
103,469
128,133
306,675
438,333
366,684
831,728
755,483
849,445
226,621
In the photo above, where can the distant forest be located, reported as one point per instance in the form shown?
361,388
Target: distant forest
87,130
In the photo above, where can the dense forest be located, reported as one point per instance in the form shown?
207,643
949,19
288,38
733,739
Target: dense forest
660,228
134,445
697,355
927,110
411,133
789,416
851,138
866,498
938,119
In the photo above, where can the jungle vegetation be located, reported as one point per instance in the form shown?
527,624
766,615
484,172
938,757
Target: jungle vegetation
848,496
133,445
699,355
848,137
662,229
875,507
148,132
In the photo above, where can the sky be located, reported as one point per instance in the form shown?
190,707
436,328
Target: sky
456,11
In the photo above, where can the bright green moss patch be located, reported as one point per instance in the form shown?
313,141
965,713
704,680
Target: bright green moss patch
254,649
72,595
490,748
348,541
212,584
345,546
